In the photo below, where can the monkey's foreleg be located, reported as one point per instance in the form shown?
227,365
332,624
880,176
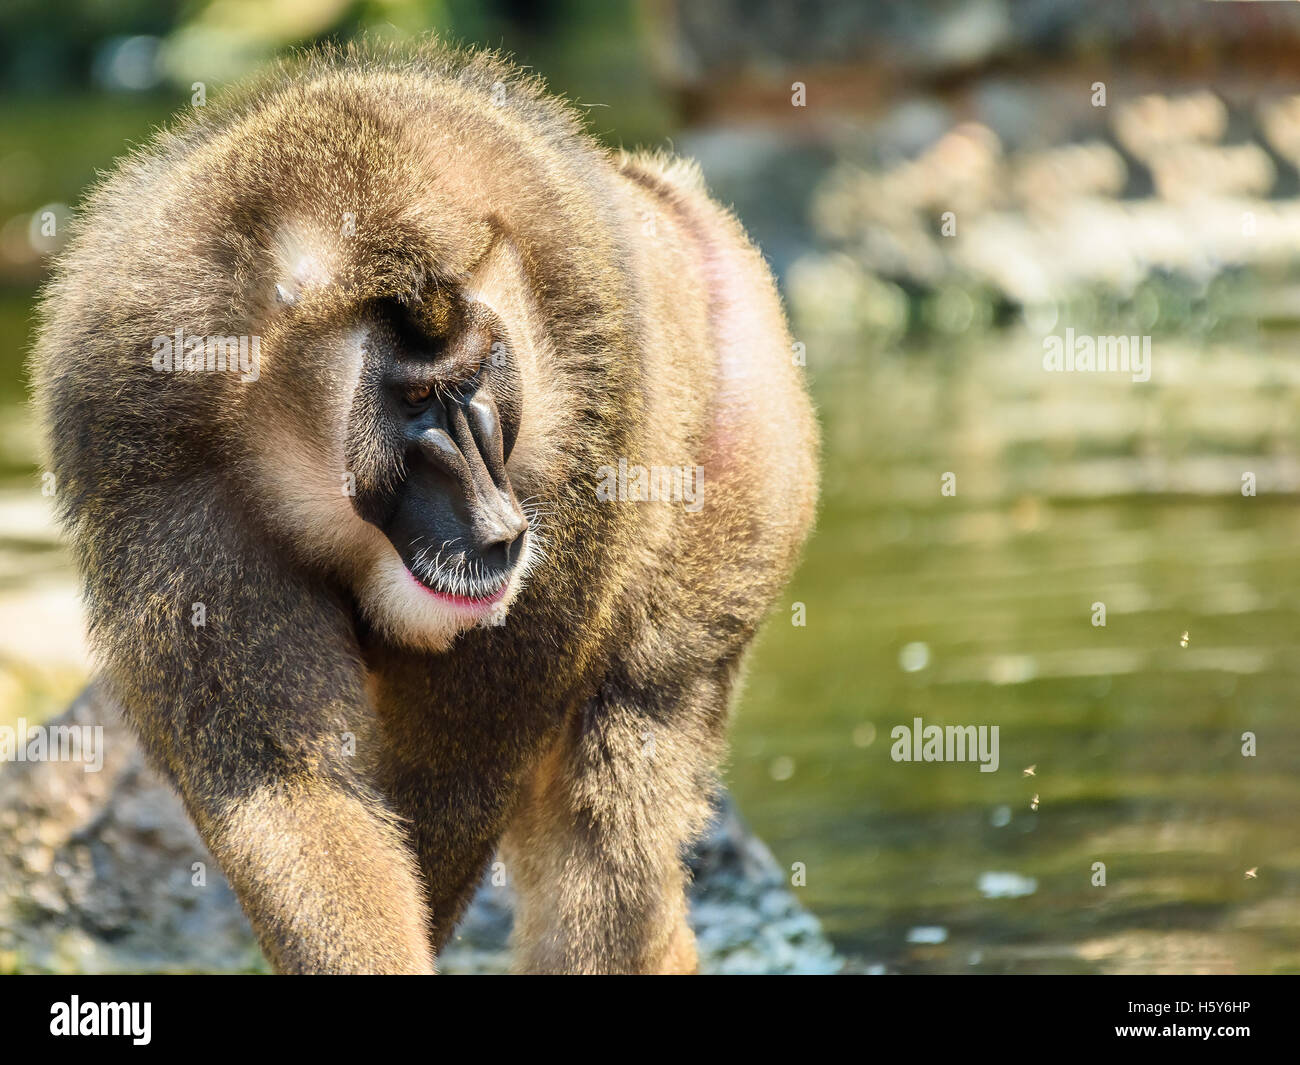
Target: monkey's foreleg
324,876
253,714
596,850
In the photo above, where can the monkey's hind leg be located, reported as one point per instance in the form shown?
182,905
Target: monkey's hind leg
596,850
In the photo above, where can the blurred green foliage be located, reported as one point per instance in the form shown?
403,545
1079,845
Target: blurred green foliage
590,50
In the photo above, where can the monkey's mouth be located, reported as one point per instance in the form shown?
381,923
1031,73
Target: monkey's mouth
478,595
468,582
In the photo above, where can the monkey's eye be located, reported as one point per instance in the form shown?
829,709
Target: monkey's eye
417,398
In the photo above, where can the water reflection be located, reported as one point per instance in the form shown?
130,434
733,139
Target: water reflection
1079,498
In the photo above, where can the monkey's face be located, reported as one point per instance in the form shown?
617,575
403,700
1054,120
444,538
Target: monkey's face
437,403
432,423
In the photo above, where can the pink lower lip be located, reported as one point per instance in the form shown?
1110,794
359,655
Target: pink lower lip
465,602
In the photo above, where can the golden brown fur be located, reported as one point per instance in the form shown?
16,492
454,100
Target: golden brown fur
581,733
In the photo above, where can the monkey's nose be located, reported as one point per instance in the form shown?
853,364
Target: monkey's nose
501,533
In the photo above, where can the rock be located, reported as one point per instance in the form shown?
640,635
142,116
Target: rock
102,872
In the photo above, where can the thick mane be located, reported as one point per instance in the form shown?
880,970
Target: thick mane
201,212
491,76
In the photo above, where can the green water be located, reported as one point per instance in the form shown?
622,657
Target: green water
1070,490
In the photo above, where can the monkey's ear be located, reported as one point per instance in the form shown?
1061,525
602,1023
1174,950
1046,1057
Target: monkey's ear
498,278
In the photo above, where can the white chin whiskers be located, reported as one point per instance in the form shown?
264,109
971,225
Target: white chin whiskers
410,613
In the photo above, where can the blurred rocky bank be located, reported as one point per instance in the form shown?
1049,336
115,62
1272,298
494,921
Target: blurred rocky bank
956,166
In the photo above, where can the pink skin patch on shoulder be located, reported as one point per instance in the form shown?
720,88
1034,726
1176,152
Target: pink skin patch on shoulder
745,331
